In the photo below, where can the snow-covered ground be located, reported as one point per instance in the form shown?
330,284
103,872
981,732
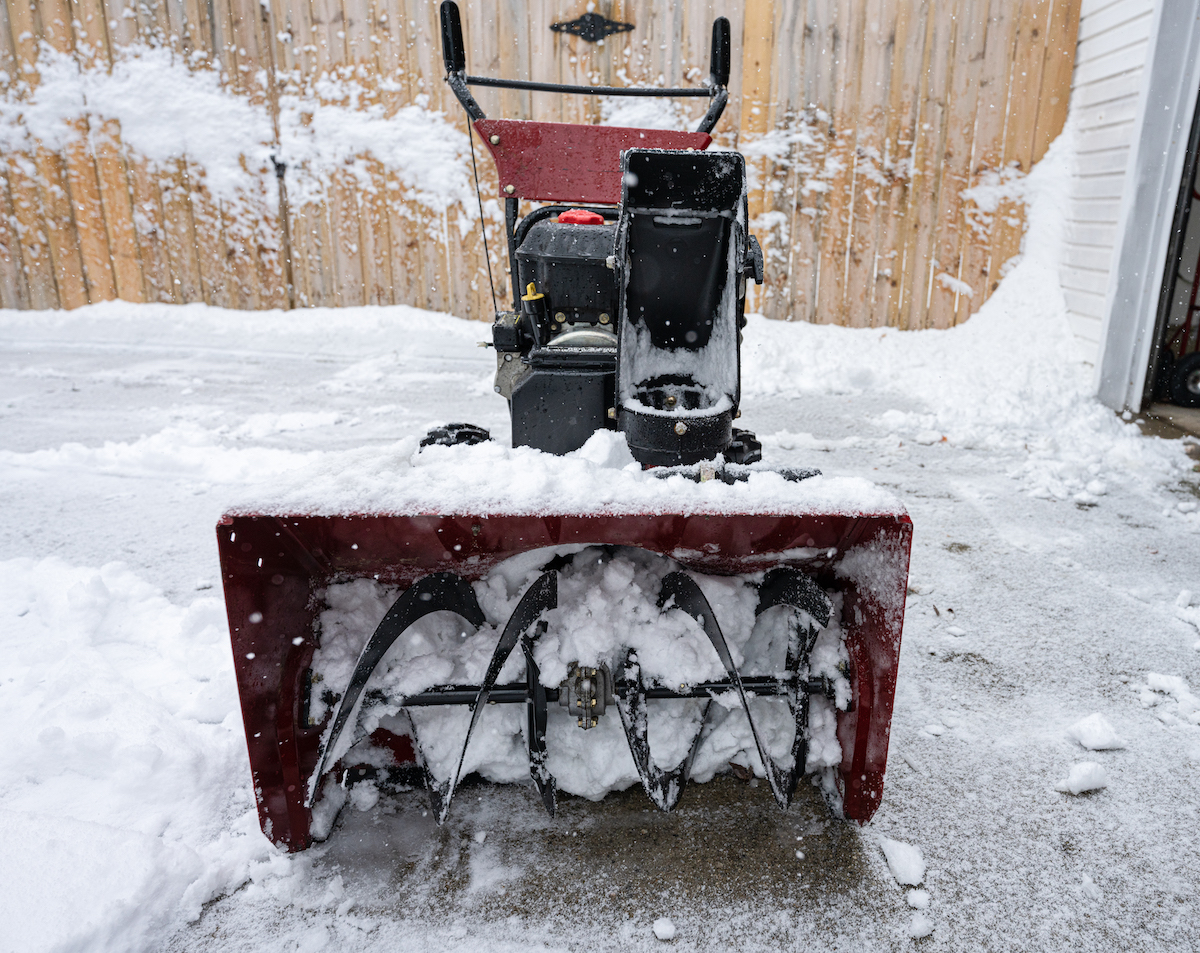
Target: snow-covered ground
1055,577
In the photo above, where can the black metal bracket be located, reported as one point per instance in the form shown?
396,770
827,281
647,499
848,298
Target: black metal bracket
591,27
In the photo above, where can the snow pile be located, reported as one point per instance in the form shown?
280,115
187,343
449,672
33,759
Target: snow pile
1007,379
185,450
1095,733
1187,705
904,861
490,478
1083,777
606,606
124,800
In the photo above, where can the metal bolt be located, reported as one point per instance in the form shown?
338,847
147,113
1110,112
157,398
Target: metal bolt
681,428
737,415
604,318
593,722
612,413
593,703
508,357
496,388
580,722
509,189
672,400
494,140
560,317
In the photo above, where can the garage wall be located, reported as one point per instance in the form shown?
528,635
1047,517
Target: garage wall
1114,36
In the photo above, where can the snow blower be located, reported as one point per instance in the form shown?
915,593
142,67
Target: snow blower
626,594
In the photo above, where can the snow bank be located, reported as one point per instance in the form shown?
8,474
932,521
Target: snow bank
1008,379
185,450
124,800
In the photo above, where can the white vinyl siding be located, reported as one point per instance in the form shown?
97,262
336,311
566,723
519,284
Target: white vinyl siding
1113,39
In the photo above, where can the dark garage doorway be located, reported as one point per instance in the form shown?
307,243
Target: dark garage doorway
1177,368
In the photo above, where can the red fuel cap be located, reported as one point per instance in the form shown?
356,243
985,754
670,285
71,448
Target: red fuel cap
580,216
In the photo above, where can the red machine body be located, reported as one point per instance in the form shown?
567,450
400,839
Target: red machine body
562,162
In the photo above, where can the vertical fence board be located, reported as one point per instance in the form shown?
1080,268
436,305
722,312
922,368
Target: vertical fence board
947,298
903,108
13,289
987,150
53,204
1058,64
92,51
871,132
1027,61
928,150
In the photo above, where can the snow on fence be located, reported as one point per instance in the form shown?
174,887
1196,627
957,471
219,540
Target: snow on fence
279,153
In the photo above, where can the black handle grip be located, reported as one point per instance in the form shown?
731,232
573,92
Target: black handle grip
718,70
454,52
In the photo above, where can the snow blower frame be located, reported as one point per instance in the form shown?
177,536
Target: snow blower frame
611,332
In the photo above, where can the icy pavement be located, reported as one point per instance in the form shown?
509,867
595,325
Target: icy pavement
1055,576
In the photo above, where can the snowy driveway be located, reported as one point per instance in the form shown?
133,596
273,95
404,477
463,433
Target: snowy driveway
1055,574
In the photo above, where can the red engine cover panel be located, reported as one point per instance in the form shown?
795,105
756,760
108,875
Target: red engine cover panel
273,568
564,162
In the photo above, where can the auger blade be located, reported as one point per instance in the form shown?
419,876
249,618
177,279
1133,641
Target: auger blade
538,598
535,728
687,596
442,591
785,586
664,788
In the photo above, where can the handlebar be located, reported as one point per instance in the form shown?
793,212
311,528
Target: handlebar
454,56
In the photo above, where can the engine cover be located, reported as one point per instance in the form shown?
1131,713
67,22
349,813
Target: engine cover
568,264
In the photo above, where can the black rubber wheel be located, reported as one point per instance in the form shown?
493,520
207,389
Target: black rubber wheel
451,435
1185,381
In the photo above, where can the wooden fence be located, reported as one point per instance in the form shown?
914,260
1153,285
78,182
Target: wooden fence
886,141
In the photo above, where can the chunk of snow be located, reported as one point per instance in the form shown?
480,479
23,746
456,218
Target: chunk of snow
950,283
904,861
364,796
956,630
921,926
935,729
1090,890
480,836
1085,776
917,899
664,929
1095,733
1177,688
